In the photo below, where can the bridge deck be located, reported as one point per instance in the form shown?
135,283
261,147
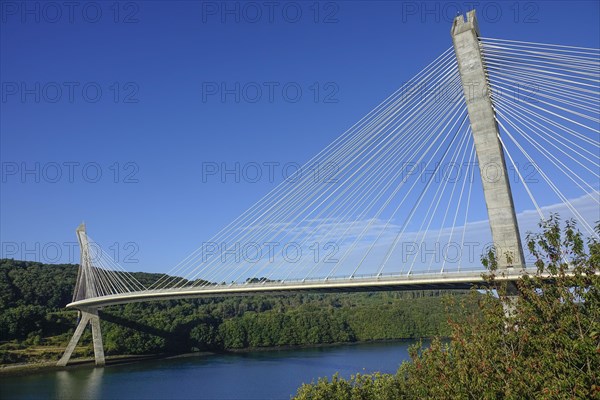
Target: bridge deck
450,280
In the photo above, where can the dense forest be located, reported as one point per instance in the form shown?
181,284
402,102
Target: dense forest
34,325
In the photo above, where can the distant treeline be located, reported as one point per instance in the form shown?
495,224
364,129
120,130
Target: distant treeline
33,296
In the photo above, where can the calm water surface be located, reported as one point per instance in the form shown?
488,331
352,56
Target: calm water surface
255,375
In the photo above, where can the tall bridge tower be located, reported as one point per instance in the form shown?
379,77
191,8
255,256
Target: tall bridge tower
498,197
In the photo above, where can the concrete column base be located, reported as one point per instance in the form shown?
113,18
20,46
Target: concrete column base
91,316
509,305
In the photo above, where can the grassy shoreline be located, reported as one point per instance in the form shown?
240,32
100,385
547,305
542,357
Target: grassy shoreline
45,366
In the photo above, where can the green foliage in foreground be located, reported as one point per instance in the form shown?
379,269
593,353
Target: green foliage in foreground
34,324
548,348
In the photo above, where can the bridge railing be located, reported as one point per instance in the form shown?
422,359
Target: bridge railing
467,272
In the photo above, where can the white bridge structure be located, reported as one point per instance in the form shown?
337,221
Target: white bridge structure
397,200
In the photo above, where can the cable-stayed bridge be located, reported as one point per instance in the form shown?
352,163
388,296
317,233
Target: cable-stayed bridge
411,195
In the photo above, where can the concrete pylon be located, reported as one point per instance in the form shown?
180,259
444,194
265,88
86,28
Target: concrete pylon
490,155
85,285
91,316
85,288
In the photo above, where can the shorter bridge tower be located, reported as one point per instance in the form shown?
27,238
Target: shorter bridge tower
85,287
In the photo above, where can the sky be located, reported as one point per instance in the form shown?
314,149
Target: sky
125,114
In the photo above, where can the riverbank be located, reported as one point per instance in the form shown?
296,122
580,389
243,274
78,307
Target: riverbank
320,345
44,366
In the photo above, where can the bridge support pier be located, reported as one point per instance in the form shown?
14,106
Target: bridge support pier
91,316
509,305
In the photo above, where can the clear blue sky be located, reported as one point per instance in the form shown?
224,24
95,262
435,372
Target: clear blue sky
357,53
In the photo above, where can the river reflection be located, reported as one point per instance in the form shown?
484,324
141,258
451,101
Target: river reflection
85,385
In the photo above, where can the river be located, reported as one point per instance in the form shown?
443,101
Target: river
259,375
